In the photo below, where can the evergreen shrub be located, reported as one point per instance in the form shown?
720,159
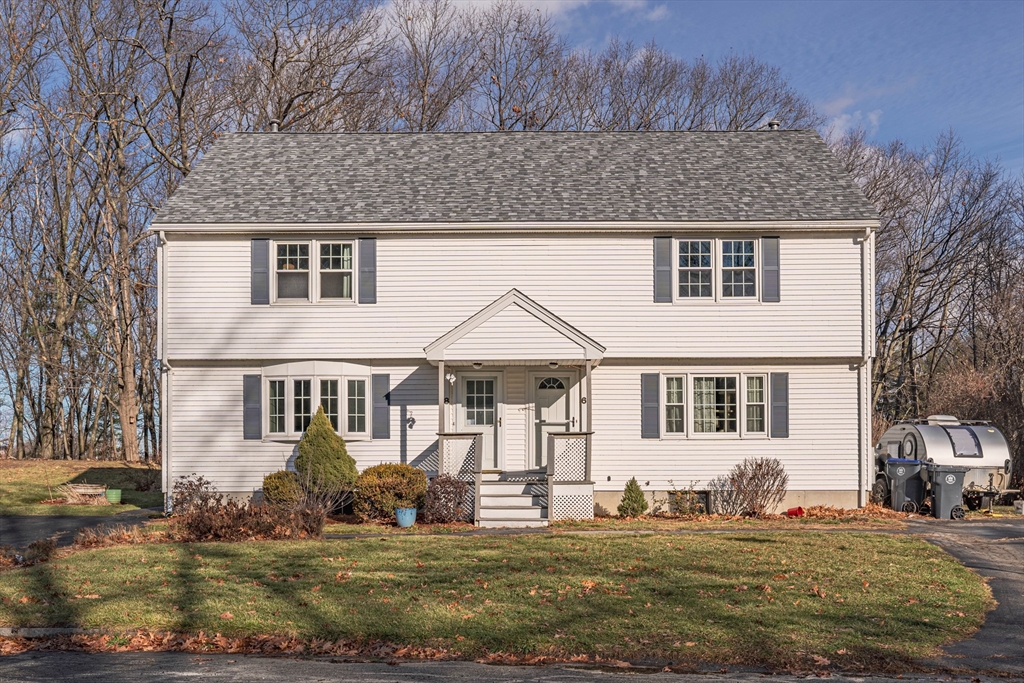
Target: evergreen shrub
323,462
634,502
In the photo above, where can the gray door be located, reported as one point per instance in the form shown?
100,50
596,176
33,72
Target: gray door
551,413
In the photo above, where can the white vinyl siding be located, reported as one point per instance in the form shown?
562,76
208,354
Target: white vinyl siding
427,285
820,453
205,428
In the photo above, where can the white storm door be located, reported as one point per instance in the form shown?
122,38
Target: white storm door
552,412
480,413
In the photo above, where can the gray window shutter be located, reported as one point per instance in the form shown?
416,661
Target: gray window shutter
381,406
368,271
252,407
779,390
770,269
259,265
650,415
662,270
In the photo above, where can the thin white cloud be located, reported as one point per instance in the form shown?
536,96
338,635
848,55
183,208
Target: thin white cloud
844,123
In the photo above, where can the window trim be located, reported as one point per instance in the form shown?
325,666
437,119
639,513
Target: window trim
290,435
367,407
741,404
716,271
663,404
313,282
765,402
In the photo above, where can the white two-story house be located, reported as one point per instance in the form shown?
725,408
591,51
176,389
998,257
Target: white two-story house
543,314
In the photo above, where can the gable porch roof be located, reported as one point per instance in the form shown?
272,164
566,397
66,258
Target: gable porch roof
514,330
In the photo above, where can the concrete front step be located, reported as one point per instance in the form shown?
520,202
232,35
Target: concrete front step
513,513
512,523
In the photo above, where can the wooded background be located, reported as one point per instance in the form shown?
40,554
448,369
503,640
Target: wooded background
106,105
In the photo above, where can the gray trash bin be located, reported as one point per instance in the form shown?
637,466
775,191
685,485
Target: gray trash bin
905,484
947,489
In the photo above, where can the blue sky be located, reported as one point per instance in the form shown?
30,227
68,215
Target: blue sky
908,70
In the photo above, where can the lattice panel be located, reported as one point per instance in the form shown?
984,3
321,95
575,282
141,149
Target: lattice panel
459,458
570,459
571,507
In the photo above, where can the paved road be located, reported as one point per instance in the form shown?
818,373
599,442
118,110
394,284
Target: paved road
994,549
20,530
154,667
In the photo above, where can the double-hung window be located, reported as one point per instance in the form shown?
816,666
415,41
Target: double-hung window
335,270
716,269
675,405
329,400
292,269
302,397
739,276
695,269
314,270
755,404
356,395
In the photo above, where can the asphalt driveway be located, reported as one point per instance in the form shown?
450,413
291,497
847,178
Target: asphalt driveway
994,549
20,530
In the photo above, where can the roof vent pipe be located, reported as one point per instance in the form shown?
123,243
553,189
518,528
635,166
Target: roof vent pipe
773,124
274,123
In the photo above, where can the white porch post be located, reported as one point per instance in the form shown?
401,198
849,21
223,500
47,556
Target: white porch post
441,424
590,401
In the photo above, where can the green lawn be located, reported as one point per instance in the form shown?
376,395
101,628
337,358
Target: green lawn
24,484
862,601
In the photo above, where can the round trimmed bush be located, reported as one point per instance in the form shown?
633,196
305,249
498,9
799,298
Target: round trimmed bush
282,488
323,463
382,489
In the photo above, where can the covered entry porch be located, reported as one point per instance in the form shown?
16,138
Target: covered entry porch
514,388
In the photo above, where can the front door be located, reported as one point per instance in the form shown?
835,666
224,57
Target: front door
552,412
480,412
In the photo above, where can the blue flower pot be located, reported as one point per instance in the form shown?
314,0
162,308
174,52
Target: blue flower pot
405,517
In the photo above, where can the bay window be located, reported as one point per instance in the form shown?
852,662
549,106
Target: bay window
295,391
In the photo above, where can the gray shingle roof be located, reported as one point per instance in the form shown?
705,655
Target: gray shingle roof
512,177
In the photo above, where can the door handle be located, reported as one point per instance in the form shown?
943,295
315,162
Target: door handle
574,422
499,421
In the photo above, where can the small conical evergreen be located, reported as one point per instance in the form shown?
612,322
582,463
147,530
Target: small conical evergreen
634,503
323,460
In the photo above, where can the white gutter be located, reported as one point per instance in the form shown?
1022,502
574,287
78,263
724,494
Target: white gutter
648,227
867,245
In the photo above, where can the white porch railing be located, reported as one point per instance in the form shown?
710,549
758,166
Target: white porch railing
460,455
570,488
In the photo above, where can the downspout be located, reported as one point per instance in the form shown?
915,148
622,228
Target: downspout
165,369
864,371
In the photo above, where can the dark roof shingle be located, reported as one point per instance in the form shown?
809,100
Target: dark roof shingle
516,177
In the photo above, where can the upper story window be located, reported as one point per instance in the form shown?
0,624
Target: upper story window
292,268
717,269
739,275
695,268
314,270
335,270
